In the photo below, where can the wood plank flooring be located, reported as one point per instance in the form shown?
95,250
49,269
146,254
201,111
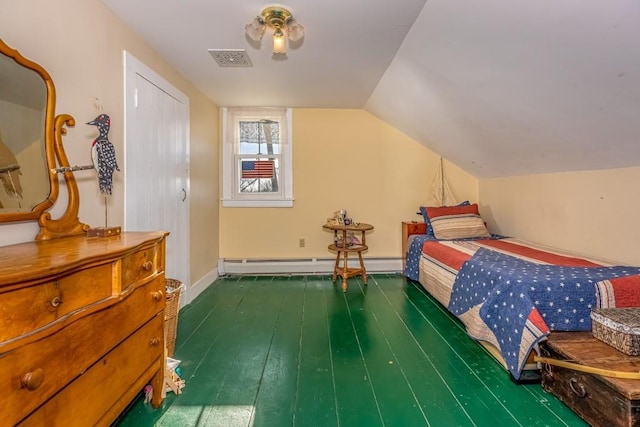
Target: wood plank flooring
297,351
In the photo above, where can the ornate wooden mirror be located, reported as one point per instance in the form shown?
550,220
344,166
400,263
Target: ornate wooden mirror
31,148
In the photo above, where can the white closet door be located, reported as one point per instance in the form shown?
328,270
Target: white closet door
156,163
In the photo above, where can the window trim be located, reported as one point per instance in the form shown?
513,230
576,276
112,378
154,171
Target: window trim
230,195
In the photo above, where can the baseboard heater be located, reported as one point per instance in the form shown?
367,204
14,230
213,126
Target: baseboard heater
302,265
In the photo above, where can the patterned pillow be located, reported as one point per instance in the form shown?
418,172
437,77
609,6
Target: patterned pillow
457,222
423,211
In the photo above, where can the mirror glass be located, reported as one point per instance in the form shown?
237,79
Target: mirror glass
24,175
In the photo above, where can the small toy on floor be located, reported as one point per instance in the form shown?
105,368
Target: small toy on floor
172,380
148,393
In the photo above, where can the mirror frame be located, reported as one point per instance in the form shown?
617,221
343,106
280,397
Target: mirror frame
39,208
54,128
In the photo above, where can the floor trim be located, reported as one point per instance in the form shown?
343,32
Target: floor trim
197,288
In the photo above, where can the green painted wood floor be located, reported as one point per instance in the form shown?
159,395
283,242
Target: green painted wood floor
297,351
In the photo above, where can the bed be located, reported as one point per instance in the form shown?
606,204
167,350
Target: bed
508,292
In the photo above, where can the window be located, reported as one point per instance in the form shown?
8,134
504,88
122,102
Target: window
256,151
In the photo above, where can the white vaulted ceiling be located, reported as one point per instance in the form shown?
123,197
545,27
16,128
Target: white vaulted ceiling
499,87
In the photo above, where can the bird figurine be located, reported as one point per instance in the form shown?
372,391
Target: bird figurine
103,154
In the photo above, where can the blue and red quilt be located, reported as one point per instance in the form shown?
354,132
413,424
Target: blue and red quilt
516,294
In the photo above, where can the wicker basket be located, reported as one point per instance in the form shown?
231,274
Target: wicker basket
618,327
173,290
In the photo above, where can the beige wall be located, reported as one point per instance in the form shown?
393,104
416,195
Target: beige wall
204,233
343,159
593,213
81,44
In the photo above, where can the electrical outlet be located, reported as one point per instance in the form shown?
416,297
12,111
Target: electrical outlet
301,242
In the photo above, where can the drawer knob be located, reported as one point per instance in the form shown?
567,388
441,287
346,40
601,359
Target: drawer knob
32,380
147,266
55,302
157,296
155,341
580,392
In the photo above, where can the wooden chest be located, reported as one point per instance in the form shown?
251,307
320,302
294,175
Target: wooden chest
601,401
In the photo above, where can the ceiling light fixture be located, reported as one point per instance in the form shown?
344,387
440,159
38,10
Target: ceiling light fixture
282,22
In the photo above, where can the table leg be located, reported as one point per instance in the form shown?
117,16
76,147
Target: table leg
345,272
364,270
335,268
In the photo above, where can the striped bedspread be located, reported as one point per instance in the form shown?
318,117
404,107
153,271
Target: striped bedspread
512,293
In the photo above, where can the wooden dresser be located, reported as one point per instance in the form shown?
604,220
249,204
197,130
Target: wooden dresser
81,327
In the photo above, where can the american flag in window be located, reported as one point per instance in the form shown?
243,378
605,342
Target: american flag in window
257,169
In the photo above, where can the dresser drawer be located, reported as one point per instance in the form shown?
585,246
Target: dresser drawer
142,265
30,308
36,371
131,364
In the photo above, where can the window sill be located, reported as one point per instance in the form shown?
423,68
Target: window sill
234,203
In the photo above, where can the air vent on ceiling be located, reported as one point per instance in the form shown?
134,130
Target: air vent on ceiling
231,57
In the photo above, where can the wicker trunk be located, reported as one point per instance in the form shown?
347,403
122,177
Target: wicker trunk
618,327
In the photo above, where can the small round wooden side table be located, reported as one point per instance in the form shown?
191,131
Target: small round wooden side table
343,249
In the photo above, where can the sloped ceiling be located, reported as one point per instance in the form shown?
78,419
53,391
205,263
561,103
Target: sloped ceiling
505,87
499,87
